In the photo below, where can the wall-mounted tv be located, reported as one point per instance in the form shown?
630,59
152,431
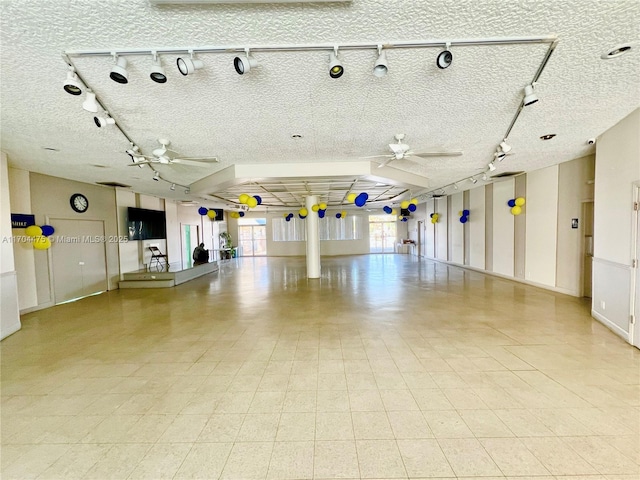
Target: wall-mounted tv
146,224
405,212
219,214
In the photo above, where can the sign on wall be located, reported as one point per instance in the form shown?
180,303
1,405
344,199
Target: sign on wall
22,220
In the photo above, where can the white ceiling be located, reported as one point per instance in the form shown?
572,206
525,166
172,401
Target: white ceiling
250,120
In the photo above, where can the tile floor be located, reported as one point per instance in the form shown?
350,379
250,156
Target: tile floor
387,367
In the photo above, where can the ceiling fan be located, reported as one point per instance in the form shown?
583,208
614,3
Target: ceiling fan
160,157
402,151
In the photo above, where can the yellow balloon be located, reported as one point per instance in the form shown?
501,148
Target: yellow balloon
434,220
304,212
243,198
404,204
520,201
315,208
460,213
323,206
414,201
343,213
394,211
351,197
211,214
41,242
33,231
252,202
285,215
516,210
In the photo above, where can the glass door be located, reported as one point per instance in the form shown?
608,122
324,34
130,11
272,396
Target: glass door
252,233
382,234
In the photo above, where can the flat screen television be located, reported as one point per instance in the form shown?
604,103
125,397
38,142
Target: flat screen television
405,212
146,224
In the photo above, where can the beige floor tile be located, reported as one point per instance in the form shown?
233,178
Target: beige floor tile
371,426
113,429
161,461
395,400
296,427
335,459
410,424
523,423
558,457
365,401
149,428
35,460
424,458
468,458
221,428
604,457
332,381
464,399
334,426
332,401
184,428
300,401
75,462
259,427
248,461
485,423
267,402
291,460
234,402
274,382
380,459
432,399
204,460
361,381
447,424
512,457
118,462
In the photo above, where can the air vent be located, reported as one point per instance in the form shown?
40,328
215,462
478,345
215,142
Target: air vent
114,184
507,174
437,195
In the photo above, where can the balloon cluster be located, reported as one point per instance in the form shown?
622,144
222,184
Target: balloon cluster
410,205
464,216
389,210
249,201
209,212
516,205
303,212
236,214
288,216
40,235
320,209
341,214
360,200
434,217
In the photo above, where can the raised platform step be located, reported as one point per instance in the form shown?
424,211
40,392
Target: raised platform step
166,278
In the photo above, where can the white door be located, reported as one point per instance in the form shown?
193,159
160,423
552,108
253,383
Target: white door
635,300
79,262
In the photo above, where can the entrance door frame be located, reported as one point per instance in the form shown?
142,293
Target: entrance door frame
634,304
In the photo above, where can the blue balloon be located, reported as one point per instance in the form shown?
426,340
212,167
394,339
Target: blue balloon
465,213
463,219
361,199
512,202
412,207
241,214
321,213
338,215
431,216
47,230
258,199
203,210
405,219
302,216
290,216
387,209
288,219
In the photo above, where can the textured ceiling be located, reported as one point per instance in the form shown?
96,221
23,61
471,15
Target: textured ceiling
252,119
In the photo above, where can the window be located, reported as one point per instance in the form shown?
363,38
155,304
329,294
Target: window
382,234
252,233
291,231
330,228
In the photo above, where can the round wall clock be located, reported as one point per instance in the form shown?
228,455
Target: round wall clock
79,202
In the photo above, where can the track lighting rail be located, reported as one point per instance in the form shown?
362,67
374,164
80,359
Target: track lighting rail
319,47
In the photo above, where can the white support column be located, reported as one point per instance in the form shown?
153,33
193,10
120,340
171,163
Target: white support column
313,239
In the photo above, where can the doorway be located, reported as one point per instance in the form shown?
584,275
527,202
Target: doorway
635,270
79,260
190,240
587,248
252,234
382,234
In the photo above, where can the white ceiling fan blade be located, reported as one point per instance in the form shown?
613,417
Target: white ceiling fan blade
194,163
385,162
379,156
436,154
198,159
140,163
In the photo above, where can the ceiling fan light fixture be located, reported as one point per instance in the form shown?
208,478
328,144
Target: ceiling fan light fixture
381,67
492,167
473,180
157,73
172,187
72,84
119,72
485,177
529,96
156,176
245,63
90,104
505,147
445,58
188,65
335,66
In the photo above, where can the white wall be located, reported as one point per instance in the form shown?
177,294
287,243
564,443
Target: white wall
541,215
503,249
456,253
617,167
430,229
9,310
476,227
